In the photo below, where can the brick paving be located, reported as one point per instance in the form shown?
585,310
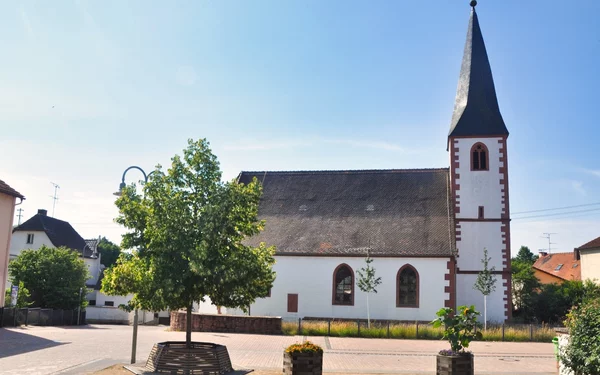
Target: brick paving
73,350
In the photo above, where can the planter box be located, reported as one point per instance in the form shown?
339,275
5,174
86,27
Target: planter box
303,363
455,365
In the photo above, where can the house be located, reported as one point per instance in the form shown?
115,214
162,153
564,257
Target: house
557,268
426,229
8,201
589,255
42,229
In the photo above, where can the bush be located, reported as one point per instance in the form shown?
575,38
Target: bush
459,329
582,354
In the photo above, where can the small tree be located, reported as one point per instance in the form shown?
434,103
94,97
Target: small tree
582,353
368,282
23,297
53,276
485,283
109,252
186,232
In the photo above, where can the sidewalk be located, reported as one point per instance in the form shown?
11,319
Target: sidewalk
73,350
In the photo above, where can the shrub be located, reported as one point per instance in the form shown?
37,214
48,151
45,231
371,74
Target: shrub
459,329
305,347
582,354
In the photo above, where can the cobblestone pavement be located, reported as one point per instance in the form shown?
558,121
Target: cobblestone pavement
74,350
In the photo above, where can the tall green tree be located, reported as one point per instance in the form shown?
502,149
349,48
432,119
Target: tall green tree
109,252
368,283
186,234
485,283
525,286
526,256
55,277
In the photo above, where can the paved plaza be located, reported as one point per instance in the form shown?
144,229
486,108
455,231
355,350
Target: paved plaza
81,350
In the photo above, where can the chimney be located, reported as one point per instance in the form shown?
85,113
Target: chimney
43,212
543,253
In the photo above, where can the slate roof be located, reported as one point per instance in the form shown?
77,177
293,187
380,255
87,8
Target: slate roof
570,269
476,110
390,212
593,244
60,233
4,188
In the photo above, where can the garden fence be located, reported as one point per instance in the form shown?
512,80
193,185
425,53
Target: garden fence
14,317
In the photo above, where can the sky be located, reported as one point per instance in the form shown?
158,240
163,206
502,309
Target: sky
91,87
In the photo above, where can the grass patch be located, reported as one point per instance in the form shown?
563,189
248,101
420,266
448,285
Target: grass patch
409,331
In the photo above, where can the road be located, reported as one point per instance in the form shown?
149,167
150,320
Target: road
80,350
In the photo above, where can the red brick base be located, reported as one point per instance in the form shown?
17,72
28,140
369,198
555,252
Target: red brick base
227,323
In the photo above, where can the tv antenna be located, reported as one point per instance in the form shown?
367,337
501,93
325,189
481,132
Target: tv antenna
547,236
20,215
54,197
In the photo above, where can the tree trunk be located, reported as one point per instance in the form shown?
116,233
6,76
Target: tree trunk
188,326
368,313
485,313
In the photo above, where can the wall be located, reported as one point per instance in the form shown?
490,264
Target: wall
590,264
101,298
94,267
546,278
472,189
312,279
19,242
7,213
227,323
106,315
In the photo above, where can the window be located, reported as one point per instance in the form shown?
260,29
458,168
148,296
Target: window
292,305
558,267
30,238
92,302
575,265
480,216
343,285
407,282
479,157
109,303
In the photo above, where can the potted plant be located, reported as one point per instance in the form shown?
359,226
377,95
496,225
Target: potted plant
305,358
459,329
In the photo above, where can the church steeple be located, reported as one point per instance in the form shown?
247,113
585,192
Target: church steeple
476,111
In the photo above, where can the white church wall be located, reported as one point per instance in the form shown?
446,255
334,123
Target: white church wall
312,279
479,188
467,295
474,238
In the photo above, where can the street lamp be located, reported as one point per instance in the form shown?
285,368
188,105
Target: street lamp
122,186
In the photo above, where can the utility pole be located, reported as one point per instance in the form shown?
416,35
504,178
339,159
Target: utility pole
547,236
54,197
20,215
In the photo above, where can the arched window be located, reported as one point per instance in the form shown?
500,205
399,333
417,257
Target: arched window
479,157
407,287
343,285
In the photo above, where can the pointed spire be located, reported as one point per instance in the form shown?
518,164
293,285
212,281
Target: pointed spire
476,111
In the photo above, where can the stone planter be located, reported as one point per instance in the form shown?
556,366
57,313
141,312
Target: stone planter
303,363
455,365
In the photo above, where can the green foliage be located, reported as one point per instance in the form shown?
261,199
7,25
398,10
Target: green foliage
23,297
554,301
525,286
186,234
367,280
53,276
109,252
525,256
460,328
305,347
582,354
486,281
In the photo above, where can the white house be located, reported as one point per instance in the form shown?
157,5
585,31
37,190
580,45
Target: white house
589,255
425,228
8,201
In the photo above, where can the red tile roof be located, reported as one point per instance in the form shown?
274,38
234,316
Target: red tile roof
4,188
569,269
590,245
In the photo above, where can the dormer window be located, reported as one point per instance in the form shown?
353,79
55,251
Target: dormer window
479,157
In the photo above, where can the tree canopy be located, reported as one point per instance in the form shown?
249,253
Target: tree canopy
109,252
525,256
186,234
53,276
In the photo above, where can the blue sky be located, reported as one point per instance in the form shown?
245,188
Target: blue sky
90,88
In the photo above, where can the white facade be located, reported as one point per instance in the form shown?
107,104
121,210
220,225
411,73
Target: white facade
482,222
312,279
590,264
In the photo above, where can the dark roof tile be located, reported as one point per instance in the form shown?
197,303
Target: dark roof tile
595,243
4,188
390,212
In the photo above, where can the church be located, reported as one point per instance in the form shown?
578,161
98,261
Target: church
426,229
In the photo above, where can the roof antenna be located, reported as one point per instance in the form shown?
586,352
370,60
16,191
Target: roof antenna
54,197
473,3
